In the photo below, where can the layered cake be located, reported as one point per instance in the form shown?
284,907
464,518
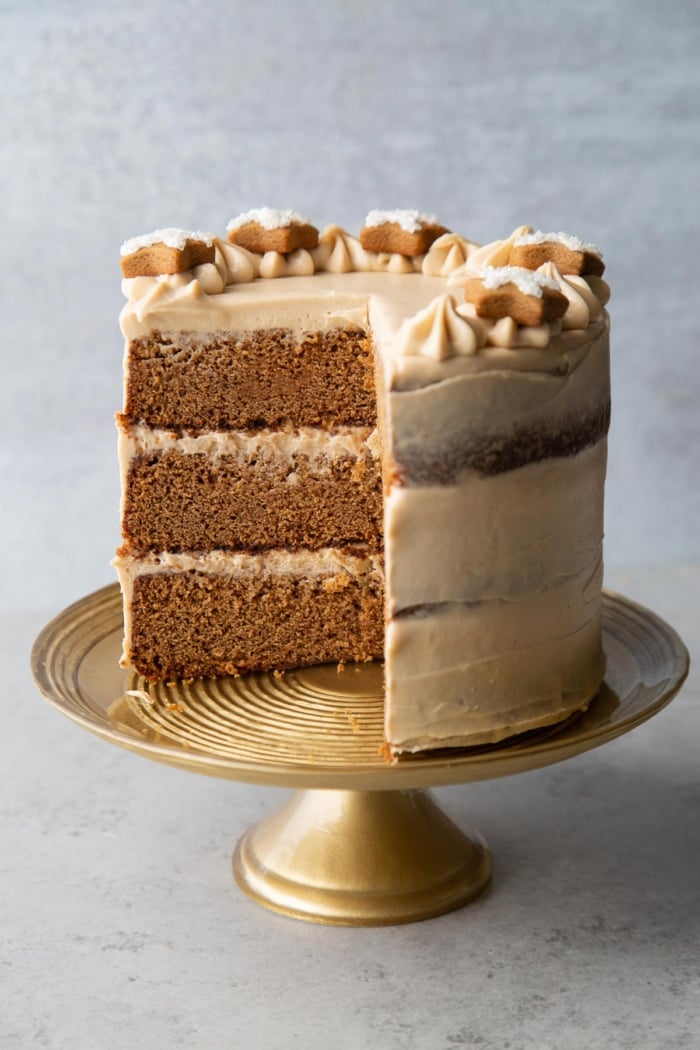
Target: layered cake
392,446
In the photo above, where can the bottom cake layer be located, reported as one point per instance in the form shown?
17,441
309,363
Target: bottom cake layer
456,673
206,615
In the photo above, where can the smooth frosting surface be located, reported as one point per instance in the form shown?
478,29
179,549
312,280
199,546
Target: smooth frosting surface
498,538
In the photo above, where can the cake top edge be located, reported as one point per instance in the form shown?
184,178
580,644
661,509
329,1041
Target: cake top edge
520,290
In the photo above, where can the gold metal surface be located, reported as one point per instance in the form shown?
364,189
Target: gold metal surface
317,727
361,858
369,848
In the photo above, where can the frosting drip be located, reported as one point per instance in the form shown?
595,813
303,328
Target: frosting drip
497,253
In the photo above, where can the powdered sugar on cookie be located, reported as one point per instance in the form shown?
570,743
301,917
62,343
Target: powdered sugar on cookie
268,218
408,219
574,244
529,282
171,237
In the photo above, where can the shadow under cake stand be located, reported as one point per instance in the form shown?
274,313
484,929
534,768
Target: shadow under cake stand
361,842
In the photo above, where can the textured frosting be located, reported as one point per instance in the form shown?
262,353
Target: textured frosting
284,444
496,253
446,255
439,331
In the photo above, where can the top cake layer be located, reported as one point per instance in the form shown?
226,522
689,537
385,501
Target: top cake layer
425,332
425,329
430,342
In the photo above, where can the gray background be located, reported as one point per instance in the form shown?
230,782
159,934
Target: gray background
120,924
119,118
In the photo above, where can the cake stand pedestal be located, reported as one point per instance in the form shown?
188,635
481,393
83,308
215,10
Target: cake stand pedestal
361,842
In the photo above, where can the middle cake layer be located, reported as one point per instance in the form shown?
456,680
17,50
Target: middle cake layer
289,488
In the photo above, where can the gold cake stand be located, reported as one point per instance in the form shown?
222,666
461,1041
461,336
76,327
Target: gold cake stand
361,842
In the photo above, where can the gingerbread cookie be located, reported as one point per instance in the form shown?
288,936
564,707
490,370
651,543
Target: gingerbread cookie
406,232
271,230
165,252
529,298
569,254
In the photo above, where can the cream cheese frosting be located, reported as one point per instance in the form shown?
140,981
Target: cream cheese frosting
284,444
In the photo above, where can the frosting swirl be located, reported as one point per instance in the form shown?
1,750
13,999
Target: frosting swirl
497,253
339,252
440,331
295,264
447,254
241,265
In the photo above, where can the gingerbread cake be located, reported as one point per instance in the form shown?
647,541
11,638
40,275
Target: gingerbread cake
391,446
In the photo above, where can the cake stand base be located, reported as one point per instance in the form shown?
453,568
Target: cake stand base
361,858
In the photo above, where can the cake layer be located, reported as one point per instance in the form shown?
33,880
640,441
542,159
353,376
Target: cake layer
215,614
236,491
475,673
247,380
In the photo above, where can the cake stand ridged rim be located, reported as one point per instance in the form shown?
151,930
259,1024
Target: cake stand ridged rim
647,660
